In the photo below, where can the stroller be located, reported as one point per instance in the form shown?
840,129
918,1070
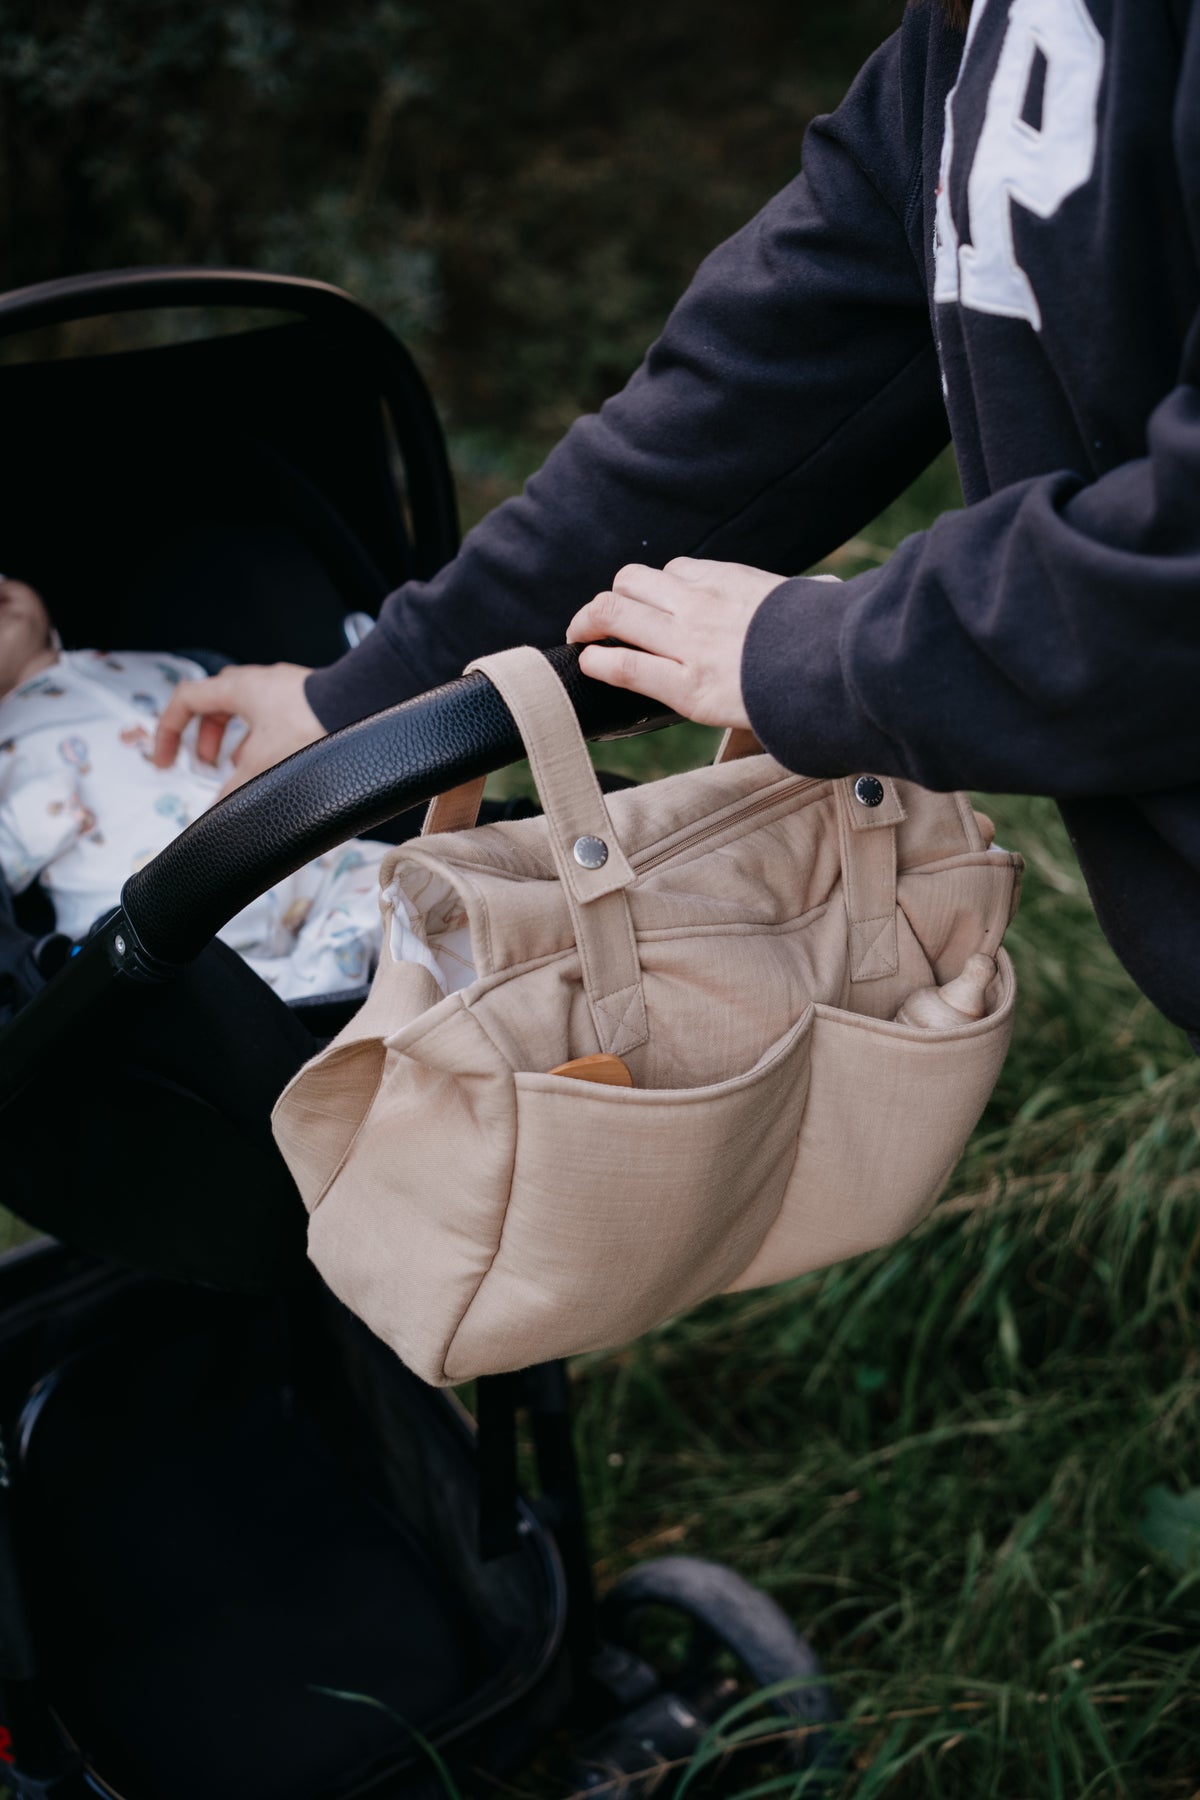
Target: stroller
243,1552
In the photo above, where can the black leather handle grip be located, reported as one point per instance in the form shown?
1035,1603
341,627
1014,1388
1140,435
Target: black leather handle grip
340,787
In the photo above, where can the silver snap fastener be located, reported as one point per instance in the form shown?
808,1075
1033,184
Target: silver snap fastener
590,852
119,945
868,790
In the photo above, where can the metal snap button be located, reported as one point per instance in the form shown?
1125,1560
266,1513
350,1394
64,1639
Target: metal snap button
868,790
590,852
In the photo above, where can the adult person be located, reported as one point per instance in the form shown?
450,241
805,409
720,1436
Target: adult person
997,237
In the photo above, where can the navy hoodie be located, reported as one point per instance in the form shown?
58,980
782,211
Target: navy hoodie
996,238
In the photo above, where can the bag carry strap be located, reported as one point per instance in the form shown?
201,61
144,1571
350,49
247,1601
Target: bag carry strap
455,810
739,741
589,859
869,810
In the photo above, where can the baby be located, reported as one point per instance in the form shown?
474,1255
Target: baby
82,805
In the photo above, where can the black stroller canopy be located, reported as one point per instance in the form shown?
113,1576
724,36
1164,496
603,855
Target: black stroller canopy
240,493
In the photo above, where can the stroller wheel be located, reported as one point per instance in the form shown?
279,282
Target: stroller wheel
712,1640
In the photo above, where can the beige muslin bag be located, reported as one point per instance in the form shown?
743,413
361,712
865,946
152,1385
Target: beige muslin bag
742,938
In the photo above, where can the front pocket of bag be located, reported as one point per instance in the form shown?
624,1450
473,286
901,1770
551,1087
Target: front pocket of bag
627,1205
889,1112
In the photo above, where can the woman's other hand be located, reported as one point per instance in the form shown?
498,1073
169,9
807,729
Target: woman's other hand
686,627
270,698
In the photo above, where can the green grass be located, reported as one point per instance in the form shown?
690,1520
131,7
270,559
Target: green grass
939,1459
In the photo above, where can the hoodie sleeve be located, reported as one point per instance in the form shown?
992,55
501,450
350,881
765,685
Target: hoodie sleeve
793,392
1046,640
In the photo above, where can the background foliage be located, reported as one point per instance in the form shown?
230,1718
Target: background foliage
971,1464
521,189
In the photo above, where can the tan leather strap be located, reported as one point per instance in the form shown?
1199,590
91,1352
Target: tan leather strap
738,741
868,842
455,810
576,815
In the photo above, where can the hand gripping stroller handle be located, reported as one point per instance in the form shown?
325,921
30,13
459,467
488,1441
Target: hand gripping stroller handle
340,787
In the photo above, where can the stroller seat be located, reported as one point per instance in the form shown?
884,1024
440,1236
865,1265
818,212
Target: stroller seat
250,1545
206,1572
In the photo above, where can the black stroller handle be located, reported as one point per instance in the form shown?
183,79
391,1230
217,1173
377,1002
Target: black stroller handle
430,484
337,788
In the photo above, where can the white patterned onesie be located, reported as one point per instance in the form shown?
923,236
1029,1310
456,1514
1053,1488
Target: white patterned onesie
82,806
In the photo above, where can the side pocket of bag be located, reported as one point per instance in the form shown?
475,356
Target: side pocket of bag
889,1112
321,1111
409,1224
628,1205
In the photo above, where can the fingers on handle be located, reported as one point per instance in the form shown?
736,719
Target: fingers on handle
644,626
655,676
653,587
696,568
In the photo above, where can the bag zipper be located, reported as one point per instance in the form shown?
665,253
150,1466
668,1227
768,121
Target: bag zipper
779,799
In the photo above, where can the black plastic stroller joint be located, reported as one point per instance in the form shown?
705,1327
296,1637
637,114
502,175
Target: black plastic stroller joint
113,952
126,952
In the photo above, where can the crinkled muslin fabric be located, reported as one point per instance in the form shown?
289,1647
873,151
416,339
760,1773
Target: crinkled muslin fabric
743,946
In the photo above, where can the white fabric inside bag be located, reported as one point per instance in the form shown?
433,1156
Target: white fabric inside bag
430,928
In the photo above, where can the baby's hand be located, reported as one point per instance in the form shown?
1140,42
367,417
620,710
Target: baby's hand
270,698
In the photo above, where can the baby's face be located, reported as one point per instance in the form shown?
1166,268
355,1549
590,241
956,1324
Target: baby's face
25,641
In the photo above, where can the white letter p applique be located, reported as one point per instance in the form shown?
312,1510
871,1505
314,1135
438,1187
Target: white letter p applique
1051,52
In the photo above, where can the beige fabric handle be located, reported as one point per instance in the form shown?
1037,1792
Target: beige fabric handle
867,836
575,810
868,844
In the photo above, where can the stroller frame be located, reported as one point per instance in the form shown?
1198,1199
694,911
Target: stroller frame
73,1320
